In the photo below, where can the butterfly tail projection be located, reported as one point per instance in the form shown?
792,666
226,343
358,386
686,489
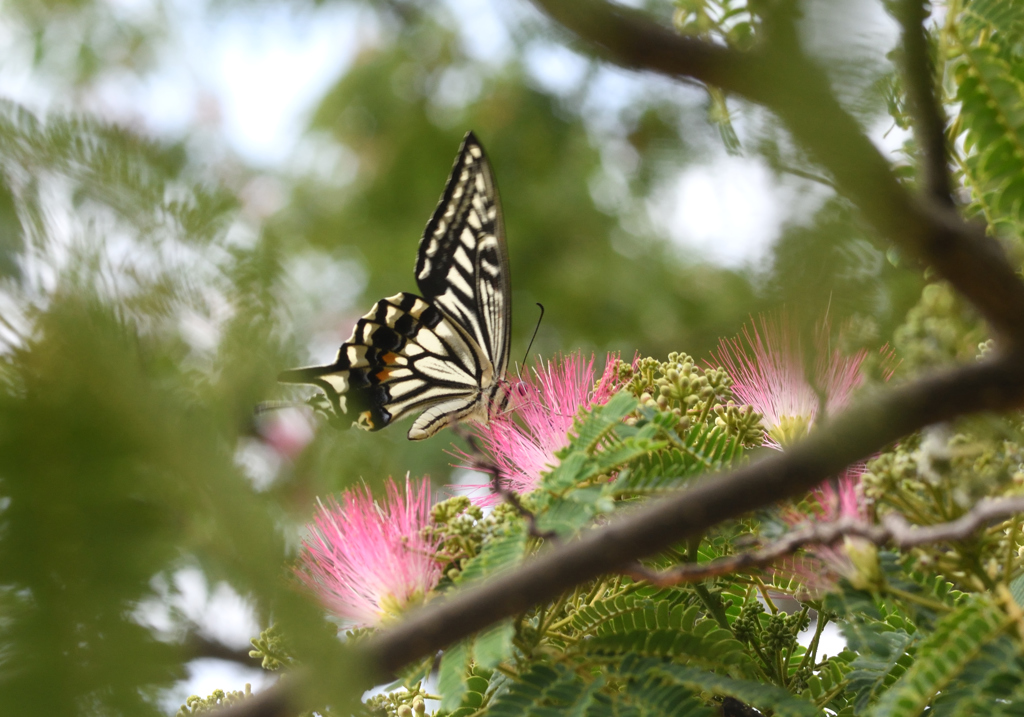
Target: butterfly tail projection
403,356
336,400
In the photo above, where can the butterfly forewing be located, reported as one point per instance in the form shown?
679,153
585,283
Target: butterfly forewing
444,353
462,266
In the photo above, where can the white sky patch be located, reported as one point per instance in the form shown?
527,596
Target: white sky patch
484,31
732,210
837,28
249,75
889,138
472,484
221,614
555,68
270,69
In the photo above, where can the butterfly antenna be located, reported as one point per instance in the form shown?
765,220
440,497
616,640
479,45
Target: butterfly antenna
535,330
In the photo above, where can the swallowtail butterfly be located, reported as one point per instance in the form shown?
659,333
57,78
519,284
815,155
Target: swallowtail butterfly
443,353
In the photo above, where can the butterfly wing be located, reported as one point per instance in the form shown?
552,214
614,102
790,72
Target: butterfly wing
462,265
403,356
442,354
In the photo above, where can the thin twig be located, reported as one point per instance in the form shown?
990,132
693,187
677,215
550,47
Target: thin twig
894,529
929,119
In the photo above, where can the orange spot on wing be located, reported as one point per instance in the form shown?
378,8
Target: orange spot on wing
383,374
389,357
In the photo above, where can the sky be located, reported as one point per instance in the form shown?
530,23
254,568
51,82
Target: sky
248,79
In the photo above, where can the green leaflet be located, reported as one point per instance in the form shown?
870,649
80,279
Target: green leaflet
499,554
992,112
704,449
991,683
1003,16
942,656
451,682
883,650
659,631
627,612
1017,589
832,674
137,179
604,419
555,691
760,696
648,457
652,695
493,645
544,690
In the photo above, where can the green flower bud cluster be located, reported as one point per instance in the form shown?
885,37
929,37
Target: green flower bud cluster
400,703
778,633
939,477
782,630
463,528
962,466
271,649
747,627
942,329
693,394
740,421
891,474
196,705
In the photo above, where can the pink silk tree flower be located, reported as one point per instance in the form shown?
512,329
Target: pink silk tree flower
366,562
768,372
523,441
854,559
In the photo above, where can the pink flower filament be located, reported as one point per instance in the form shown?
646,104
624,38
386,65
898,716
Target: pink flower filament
367,562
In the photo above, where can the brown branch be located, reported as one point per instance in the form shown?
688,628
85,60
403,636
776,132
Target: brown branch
929,119
859,432
894,529
779,76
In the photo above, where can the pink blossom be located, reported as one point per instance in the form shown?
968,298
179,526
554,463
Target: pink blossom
819,570
287,431
523,441
768,372
369,562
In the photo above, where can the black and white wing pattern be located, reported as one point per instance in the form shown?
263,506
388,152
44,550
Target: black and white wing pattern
443,354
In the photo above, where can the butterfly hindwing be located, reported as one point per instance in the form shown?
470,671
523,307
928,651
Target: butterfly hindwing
446,352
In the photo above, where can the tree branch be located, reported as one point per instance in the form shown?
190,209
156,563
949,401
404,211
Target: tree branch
780,77
894,529
929,119
856,434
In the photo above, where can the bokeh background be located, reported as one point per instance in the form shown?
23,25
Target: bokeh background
195,195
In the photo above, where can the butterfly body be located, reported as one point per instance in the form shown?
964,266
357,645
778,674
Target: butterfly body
444,353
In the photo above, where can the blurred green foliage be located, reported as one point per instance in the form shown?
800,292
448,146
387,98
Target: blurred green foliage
147,304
